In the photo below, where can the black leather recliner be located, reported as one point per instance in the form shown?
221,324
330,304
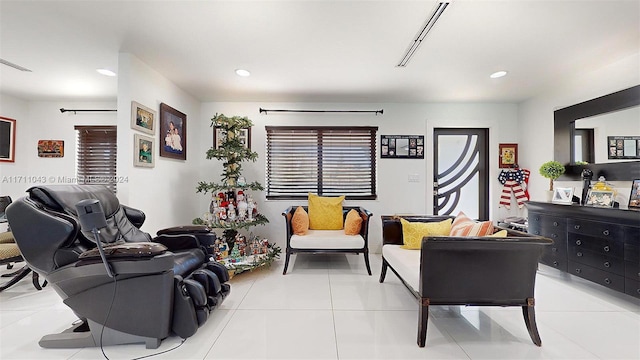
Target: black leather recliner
162,285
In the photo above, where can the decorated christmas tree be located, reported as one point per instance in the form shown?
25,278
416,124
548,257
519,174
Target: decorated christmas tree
232,206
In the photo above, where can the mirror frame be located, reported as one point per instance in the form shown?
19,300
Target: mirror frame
564,131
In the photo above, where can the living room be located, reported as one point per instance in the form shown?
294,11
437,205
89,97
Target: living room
166,192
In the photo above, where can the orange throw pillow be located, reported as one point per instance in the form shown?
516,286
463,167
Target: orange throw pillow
352,223
464,226
300,221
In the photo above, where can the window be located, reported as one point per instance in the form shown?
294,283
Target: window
329,161
96,155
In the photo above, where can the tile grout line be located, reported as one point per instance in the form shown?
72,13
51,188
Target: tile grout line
333,317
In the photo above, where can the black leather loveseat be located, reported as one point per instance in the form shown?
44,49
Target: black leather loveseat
163,285
477,271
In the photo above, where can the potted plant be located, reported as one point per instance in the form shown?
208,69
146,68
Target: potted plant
551,170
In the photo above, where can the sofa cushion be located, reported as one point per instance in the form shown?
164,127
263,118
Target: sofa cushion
405,262
327,239
352,223
464,226
413,232
300,221
325,213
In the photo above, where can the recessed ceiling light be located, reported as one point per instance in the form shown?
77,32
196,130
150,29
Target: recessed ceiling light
106,72
498,74
242,72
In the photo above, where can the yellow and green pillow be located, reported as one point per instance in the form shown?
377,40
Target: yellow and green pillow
325,213
413,232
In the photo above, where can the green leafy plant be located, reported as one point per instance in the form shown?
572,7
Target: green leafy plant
552,170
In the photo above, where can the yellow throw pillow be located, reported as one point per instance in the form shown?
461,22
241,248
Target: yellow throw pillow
413,232
325,213
300,221
501,233
352,223
464,226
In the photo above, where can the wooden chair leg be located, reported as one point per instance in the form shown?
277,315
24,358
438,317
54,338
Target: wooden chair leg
366,261
423,320
19,276
286,262
383,271
530,320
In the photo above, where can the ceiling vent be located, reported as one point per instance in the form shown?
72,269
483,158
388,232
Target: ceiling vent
428,25
10,64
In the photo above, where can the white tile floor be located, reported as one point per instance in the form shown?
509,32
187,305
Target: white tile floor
327,307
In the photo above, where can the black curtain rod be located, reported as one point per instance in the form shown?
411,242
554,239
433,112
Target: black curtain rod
63,110
381,111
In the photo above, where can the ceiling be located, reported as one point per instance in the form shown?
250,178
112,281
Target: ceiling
313,51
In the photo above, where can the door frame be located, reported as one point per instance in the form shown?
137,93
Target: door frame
483,165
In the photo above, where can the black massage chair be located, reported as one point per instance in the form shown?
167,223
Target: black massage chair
168,284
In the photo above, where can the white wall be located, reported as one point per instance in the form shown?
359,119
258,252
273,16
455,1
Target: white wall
535,117
44,121
396,195
166,192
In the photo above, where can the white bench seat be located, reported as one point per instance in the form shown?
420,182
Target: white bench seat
327,239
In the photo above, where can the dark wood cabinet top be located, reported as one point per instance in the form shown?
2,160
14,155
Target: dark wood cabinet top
615,216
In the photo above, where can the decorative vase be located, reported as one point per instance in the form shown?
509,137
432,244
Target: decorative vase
549,195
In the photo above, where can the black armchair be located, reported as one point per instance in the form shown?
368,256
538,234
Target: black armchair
162,285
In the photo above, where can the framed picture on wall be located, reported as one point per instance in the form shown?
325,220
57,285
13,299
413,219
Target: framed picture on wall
219,135
51,148
7,139
143,118
402,146
143,151
173,133
508,155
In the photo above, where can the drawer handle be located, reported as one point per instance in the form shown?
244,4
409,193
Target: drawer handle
579,254
555,263
537,218
554,249
606,233
606,248
578,242
555,223
578,271
607,281
638,291
607,264
554,235
576,227
537,232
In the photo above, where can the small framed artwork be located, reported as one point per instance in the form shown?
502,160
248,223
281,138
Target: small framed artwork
143,118
173,133
624,147
219,135
562,195
600,198
402,146
143,151
51,148
508,156
7,139
634,198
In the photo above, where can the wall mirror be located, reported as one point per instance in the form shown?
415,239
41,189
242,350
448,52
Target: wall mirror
599,117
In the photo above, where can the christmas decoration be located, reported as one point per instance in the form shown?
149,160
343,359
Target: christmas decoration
232,207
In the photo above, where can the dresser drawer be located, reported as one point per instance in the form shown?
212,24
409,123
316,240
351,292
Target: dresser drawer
555,261
612,281
632,287
609,247
546,225
632,252
632,236
596,229
597,260
632,270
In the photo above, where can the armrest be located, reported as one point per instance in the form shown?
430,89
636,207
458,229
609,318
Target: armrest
178,242
137,217
288,215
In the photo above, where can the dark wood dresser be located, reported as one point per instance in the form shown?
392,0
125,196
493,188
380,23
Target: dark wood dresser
600,245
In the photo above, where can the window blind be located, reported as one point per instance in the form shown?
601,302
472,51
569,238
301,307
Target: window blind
96,155
329,161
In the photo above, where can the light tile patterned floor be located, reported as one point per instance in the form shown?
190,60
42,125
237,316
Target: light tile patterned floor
327,307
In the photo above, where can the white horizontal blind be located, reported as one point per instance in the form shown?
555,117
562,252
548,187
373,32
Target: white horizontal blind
96,155
329,161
